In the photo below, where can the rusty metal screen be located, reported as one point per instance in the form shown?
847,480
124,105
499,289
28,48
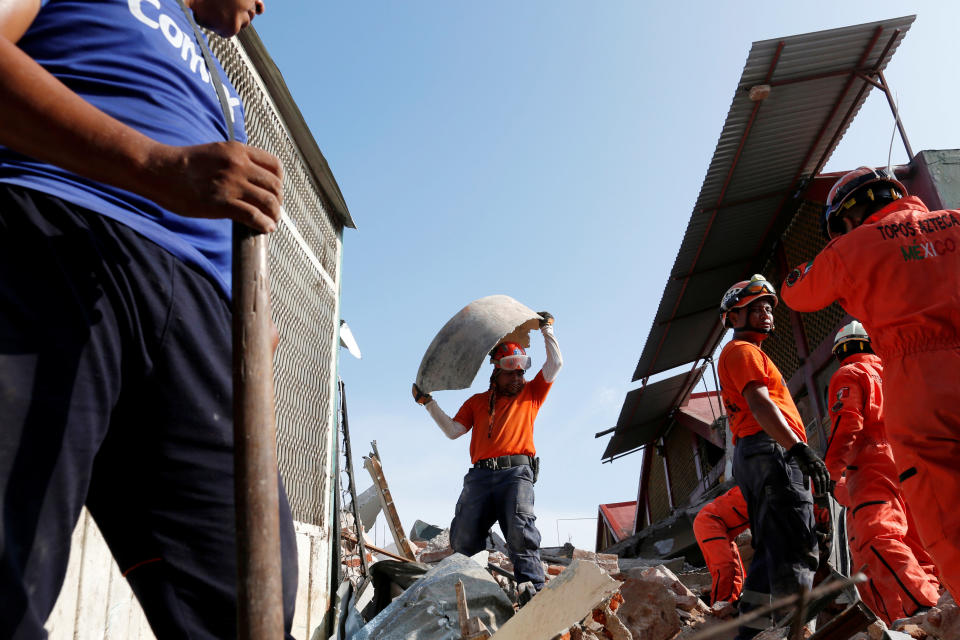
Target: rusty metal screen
304,286
683,466
802,241
657,491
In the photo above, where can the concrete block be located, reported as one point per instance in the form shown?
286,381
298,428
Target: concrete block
649,609
565,600
943,622
430,557
686,599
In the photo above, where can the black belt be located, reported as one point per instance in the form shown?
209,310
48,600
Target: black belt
503,462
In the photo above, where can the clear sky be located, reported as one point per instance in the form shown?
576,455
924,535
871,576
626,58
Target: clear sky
551,151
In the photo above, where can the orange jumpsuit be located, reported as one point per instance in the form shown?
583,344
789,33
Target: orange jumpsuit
715,527
876,518
899,274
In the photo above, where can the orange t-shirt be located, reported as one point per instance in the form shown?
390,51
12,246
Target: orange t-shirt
741,363
512,432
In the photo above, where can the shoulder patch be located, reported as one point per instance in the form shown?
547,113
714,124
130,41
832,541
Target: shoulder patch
794,276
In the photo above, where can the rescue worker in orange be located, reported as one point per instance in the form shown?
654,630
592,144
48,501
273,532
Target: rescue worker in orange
715,527
894,264
899,585
771,460
499,487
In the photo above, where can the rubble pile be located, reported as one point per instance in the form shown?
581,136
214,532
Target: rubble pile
941,622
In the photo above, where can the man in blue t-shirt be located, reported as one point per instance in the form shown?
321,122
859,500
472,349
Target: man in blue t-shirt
120,173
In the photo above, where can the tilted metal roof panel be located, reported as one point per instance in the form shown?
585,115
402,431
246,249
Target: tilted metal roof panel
646,412
765,150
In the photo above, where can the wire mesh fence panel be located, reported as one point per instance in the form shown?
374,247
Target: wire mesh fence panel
683,465
657,489
304,288
802,242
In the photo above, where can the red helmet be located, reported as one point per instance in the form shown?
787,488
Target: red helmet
745,292
861,185
510,356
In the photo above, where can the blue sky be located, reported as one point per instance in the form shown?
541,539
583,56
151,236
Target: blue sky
551,151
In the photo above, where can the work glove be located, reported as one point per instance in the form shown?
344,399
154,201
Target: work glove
545,318
420,397
824,526
812,467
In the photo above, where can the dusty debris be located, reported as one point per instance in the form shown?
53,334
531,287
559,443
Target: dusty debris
428,608
606,561
470,628
565,600
941,622
650,608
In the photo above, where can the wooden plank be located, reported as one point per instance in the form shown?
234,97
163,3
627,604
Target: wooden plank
94,583
125,617
372,464
301,614
320,596
62,620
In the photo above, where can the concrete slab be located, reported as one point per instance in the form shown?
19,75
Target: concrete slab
565,601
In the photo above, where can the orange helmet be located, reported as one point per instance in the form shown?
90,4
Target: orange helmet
510,356
860,185
745,292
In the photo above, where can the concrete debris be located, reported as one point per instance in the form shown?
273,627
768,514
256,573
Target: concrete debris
428,609
606,561
565,600
424,532
776,633
650,608
941,622
588,596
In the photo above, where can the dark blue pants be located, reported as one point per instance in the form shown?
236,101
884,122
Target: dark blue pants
115,392
504,496
780,509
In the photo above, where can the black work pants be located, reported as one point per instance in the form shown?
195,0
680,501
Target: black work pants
115,392
780,509
504,496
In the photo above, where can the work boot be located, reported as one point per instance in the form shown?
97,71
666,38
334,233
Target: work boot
525,591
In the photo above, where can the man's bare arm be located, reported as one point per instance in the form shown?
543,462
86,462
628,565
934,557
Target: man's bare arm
775,425
768,414
42,118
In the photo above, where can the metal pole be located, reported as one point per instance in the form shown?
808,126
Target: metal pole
358,526
896,115
259,585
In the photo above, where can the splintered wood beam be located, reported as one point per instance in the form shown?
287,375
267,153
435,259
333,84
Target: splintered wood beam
372,464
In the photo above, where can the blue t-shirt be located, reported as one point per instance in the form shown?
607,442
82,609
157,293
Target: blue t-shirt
138,61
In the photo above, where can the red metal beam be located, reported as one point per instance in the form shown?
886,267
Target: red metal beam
896,115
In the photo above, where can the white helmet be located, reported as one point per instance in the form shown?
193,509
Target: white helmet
853,332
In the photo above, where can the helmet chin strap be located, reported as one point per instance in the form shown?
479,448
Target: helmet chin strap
750,328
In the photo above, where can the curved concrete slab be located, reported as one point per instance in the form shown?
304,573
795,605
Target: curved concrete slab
463,344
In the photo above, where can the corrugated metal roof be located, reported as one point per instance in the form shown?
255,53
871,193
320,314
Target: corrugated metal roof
767,149
647,411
